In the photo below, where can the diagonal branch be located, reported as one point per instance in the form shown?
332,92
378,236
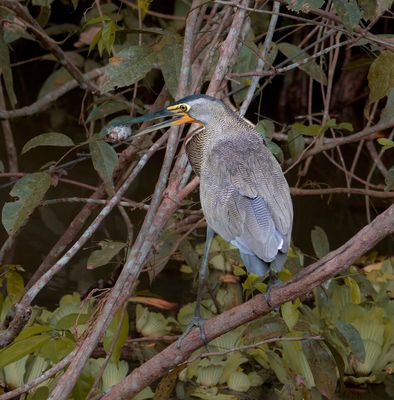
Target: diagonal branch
312,276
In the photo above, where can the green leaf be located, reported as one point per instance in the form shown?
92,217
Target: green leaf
266,128
41,393
109,249
290,313
170,60
296,143
57,348
320,242
114,373
348,12
107,38
15,285
111,333
106,109
381,76
18,350
311,68
71,320
29,191
54,81
374,8
304,5
308,130
96,20
347,126
6,71
386,143
323,366
353,339
105,160
354,289
130,65
48,139
31,331
389,179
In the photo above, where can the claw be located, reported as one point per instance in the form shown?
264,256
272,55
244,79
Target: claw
195,322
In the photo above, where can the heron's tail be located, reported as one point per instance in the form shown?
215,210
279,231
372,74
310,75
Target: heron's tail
254,264
259,267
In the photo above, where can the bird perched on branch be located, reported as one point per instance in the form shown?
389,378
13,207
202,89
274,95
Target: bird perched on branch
244,195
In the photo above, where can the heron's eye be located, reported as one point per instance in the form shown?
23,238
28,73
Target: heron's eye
184,107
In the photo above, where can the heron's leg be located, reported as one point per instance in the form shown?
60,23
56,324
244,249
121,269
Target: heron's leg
197,321
272,282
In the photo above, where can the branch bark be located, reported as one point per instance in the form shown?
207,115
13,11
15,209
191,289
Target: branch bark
312,276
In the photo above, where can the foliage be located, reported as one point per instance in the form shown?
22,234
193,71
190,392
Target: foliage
72,75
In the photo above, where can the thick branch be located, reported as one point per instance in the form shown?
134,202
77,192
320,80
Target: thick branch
48,99
312,276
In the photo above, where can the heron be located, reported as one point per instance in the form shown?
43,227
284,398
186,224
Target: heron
244,195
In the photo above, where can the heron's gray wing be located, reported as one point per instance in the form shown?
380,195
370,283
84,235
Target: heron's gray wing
255,191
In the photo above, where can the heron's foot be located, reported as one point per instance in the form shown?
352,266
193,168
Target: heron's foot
196,321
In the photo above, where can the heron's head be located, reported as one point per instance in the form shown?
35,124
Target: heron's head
200,109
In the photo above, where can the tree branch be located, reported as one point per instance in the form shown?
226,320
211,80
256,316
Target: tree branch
312,276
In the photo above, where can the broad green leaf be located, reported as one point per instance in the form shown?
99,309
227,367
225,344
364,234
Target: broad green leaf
112,332
304,5
15,285
190,254
48,139
96,20
296,143
105,160
353,339
170,60
290,313
108,250
320,242
389,179
386,143
6,72
266,128
323,366
29,191
347,126
106,109
32,331
381,77
128,67
71,320
348,12
354,289
114,373
57,348
54,81
145,394
295,54
374,8
18,350
308,130
41,393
